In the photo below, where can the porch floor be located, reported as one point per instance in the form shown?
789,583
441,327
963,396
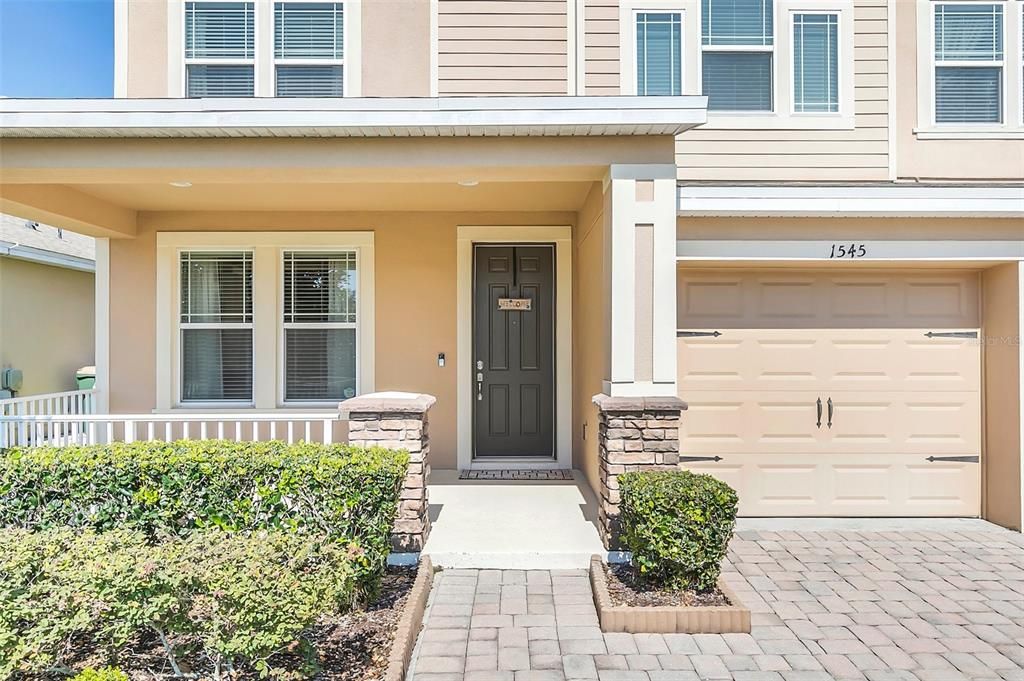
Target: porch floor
549,524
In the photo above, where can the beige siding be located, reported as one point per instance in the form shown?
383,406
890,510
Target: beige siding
46,323
810,155
601,47
147,49
502,47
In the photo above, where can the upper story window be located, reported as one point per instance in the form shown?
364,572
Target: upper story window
219,49
309,49
659,53
968,63
815,63
738,39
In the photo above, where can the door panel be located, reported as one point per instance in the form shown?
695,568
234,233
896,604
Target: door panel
898,396
513,358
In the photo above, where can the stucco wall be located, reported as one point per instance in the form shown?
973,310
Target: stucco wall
415,296
46,323
1002,311
849,228
590,332
941,159
147,49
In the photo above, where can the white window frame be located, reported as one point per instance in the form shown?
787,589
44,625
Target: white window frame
683,61
263,45
784,117
186,62
284,326
268,311
343,62
791,18
181,327
1012,126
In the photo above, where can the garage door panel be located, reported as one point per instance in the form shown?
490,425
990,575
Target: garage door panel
721,422
848,485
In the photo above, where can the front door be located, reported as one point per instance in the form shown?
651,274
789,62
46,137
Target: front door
513,351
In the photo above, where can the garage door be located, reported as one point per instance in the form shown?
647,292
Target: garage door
816,393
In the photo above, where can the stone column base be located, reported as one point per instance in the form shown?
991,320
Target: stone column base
634,434
398,420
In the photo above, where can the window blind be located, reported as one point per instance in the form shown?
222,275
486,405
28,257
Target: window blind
737,22
216,327
320,319
968,63
219,80
308,30
659,54
738,81
219,30
816,63
310,81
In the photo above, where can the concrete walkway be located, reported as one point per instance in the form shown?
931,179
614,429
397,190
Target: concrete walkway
511,524
886,605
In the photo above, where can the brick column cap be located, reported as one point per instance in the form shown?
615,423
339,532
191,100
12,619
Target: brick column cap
391,402
633,404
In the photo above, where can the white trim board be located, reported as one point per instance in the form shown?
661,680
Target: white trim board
893,200
266,248
101,322
561,236
874,251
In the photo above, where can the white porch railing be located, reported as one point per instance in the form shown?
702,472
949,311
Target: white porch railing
58,404
69,429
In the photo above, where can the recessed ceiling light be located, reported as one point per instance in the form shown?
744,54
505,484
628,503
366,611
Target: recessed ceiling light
181,184
468,183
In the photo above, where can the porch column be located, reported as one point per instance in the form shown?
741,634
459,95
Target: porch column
397,420
639,410
640,261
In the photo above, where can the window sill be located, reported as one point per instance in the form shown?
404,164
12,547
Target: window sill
978,133
773,121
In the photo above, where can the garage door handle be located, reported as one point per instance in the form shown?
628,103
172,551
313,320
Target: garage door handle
830,410
819,412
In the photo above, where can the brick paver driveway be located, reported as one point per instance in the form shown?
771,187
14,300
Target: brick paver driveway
827,605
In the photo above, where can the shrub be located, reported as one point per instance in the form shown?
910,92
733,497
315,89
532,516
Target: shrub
102,674
177,488
213,598
677,525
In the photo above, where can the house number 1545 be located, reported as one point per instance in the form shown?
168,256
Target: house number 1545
848,251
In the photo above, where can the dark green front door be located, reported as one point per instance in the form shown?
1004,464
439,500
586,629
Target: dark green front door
513,351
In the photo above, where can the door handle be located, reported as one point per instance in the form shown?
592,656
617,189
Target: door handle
819,412
831,408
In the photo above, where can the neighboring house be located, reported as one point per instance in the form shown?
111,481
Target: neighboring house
805,219
46,304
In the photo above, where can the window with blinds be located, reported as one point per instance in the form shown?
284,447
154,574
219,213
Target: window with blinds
968,63
309,43
738,38
659,53
216,327
219,49
816,63
320,325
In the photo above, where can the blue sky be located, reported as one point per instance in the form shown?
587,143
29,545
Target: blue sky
57,48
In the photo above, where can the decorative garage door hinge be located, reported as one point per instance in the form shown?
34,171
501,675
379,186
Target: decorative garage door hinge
697,334
688,459
952,334
963,459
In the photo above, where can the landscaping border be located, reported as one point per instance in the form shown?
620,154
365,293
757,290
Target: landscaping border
411,622
719,619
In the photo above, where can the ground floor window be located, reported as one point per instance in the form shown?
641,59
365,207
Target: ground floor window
264,320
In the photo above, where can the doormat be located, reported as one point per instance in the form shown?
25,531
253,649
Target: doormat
516,474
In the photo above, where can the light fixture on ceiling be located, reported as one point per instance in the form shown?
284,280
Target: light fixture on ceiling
181,184
468,183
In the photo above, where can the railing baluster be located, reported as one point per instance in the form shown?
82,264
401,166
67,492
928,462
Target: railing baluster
328,434
150,431
309,435
202,430
220,430
291,432
238,431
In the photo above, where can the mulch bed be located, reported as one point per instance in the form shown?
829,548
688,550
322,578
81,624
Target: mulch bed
626,591
351,647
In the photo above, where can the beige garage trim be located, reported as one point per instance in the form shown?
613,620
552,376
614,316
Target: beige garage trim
856,341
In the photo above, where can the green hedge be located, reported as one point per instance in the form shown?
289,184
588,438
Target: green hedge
157,488
677,525
219,601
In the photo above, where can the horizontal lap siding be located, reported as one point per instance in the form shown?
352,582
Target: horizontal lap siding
601,47
771,155
502,47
